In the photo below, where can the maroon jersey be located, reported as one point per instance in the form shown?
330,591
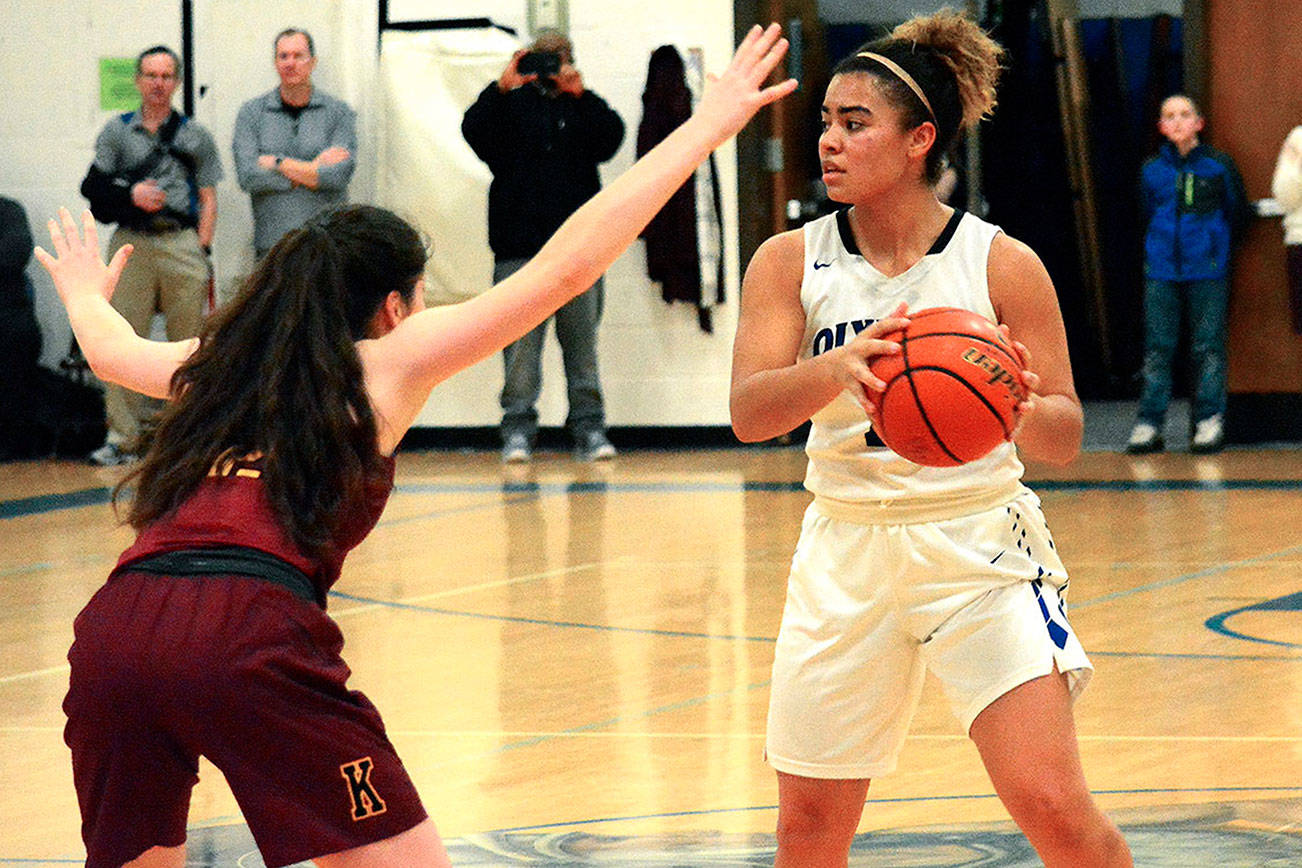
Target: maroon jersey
170,667
231,508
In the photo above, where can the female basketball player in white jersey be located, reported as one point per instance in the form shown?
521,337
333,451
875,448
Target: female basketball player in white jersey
902,568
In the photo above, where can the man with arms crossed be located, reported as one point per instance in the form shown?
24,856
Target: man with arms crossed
294,146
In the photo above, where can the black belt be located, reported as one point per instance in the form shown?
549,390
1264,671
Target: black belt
232,561
161,224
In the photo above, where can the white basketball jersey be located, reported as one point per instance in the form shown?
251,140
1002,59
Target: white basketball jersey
849,471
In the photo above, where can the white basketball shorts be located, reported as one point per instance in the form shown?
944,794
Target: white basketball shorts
977,600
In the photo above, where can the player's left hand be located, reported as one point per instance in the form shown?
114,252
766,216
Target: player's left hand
1030,380
76,266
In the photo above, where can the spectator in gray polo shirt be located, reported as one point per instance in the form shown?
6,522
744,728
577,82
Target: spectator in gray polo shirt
165,168
294,146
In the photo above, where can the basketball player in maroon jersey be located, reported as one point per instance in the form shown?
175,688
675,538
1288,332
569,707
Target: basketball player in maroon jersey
901,568
272,461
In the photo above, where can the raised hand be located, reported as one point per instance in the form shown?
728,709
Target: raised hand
569,80
76,266
732,98
511,77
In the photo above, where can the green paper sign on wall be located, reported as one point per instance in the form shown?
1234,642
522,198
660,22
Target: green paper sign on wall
117,84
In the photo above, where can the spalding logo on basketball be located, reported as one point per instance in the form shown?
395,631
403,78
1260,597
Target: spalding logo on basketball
952,392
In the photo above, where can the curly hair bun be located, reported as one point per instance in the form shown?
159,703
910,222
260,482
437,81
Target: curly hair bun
969,52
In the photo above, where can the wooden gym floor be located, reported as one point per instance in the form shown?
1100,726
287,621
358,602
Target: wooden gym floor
573,660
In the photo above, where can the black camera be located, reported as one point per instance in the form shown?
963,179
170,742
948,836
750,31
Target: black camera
544,64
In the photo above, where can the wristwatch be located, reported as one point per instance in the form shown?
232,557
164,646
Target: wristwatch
279,160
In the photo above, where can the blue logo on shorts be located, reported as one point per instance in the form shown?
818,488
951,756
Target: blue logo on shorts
1056,631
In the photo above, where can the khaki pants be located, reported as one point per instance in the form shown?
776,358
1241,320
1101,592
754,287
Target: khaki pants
167,274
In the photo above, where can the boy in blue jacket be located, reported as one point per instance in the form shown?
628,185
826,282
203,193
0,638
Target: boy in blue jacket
1195,203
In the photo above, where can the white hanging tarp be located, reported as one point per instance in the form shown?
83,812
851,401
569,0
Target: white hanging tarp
426,172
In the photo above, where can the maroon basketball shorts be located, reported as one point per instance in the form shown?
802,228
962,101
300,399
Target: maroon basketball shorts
243,672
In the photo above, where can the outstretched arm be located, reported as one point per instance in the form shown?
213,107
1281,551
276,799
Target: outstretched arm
85,284
430,346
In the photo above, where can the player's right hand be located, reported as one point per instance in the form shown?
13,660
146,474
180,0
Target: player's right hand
853,360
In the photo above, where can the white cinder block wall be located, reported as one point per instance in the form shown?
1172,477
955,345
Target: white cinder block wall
49,68
658,368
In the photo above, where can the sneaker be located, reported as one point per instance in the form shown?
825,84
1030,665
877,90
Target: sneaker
1144,438
1208,436
595,446
110,455
516,450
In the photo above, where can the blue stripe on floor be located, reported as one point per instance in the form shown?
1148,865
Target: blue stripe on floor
95,496
54,502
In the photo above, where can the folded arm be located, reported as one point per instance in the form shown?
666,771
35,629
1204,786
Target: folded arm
331,169
253,176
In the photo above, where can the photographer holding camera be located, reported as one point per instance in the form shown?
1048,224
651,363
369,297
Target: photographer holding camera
543,134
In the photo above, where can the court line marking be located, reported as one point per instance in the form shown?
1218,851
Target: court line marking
600,724
751,736
43,503
1084,485
894,800
483,586
35,673
370,604
234,820
1187,577
78,562
1286,603
585,733
39,504
543,622
367,604
404,605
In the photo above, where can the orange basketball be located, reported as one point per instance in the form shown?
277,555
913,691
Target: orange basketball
952,392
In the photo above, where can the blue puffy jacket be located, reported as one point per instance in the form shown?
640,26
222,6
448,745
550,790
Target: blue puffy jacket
1194,205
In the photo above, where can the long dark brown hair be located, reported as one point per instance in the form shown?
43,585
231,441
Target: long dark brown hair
277,372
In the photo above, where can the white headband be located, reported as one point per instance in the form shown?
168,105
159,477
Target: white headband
904,77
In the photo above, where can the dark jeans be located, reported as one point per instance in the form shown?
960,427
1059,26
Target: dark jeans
576,331
1204,302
